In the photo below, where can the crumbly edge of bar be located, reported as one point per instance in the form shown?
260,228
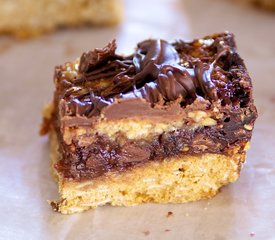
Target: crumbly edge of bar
173,180
112,9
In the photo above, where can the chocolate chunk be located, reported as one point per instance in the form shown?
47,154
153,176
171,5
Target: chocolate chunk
132,152
92,59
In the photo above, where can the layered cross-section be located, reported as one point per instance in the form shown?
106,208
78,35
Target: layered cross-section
169,123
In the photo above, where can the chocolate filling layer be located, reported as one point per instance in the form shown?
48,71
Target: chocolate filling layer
104,155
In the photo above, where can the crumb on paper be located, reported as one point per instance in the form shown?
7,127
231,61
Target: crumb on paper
54,206
169,214
146,232
167,230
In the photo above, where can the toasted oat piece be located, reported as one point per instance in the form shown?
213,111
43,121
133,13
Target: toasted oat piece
28,18
169,124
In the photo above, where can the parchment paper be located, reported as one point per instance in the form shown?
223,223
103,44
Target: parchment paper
243,210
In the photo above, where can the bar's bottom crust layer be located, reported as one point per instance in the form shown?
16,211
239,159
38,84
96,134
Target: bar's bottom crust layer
173,180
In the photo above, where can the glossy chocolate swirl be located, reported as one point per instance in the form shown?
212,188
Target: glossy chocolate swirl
151,55
91,60
156,72
155,61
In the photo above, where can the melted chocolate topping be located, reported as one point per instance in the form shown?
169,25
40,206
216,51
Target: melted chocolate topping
159,72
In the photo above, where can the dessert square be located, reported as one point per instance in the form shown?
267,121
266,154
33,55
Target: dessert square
170,123
28,18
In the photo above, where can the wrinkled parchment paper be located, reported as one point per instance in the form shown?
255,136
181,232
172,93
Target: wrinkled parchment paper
243,210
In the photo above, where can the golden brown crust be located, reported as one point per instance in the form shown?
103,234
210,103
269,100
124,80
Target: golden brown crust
27,18
173,180
46,119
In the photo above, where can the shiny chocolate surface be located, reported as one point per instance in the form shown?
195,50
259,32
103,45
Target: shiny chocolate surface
158,72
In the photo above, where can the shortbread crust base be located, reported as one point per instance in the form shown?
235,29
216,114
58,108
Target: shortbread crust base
173,180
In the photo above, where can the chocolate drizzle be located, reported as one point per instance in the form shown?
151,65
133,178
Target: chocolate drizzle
151,56
203,72
91,60
176,81
159,72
